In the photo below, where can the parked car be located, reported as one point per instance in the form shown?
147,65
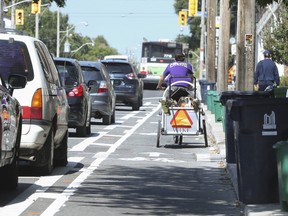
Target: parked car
127,83
103,97
43,100
78,95
10,132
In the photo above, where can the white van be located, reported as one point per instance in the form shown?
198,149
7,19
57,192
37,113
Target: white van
45,108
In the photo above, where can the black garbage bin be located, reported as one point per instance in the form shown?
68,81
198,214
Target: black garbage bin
206,86
228,122
258,125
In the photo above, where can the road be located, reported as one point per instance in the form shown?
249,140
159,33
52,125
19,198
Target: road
119,171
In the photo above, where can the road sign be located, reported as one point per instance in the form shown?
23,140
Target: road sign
181,119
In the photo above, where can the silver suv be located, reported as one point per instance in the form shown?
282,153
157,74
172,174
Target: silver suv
44,102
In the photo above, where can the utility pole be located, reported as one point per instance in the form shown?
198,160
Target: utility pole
245,57
2,24
202,39
211,41
222,75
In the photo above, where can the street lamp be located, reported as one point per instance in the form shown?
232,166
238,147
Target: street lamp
67,45
85,44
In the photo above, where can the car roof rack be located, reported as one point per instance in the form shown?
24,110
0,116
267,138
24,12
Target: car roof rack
12,31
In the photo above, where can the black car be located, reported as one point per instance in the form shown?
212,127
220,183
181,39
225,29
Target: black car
127,83
10,132
77,93
103,97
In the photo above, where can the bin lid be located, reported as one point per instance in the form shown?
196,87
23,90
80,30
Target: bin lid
280,144
226,95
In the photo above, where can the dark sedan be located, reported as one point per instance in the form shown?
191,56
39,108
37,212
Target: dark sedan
77,93
127,83
103,97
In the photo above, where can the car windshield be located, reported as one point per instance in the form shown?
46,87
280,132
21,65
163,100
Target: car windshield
91,73
15,59
119,68
68,73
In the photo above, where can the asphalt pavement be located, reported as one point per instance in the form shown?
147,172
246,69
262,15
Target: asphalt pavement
217,135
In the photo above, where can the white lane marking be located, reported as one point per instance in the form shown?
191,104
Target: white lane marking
101,144
32,193
154,154
111,127
165,160
56,205
148,134
82,145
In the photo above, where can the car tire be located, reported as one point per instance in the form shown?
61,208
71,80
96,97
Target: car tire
113,116
81,131
136,105
107,119
46,156
88,128
60,154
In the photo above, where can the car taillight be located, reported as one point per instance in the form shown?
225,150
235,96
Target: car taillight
130,76
77,91
102,87
35,111
143,72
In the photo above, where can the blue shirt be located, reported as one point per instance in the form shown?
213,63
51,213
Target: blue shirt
266,73
182,70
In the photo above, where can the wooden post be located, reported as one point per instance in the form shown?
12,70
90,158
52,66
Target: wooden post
2,24
211,40
245,56
223,57
202,48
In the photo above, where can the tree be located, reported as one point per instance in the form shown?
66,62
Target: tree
262,3
275,36
60,3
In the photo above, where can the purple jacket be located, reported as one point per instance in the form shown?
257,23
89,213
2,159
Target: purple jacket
183,70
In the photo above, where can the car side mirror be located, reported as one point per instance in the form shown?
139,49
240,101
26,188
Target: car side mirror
16,81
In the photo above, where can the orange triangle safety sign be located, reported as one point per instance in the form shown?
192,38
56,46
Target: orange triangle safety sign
181,119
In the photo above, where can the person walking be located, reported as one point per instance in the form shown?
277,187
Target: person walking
266,74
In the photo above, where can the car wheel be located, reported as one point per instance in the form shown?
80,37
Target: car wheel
46,157
113,116
88,128
136,105
81,131
107,119
60,154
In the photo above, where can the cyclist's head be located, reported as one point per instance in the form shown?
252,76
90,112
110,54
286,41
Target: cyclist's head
267,54
179,57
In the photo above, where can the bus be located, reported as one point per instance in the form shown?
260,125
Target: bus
155,57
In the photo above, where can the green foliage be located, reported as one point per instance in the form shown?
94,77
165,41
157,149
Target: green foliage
262,3
283,81
60,3
275,36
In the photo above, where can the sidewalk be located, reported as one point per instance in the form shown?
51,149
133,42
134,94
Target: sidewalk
216,134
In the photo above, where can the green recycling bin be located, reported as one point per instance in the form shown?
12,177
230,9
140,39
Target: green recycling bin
217,109
210,96
282,167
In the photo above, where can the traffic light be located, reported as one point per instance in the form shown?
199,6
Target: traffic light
182,18
192,8
36,6
19,16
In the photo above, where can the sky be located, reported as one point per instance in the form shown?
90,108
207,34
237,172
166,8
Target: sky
124,23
